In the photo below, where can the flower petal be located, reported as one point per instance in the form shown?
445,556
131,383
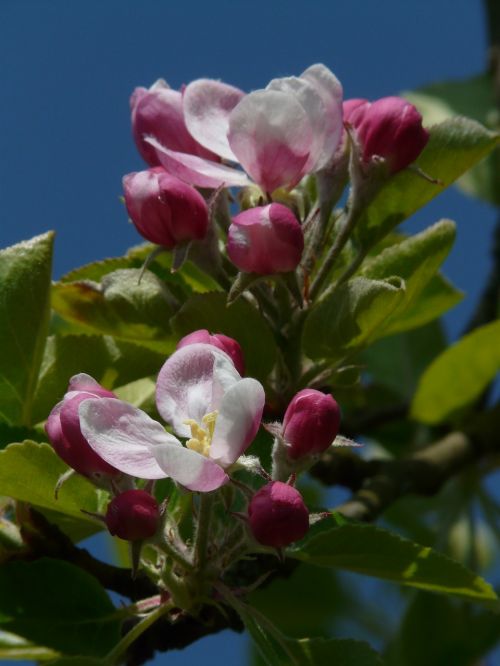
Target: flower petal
125,437
330,90
238,420
190,469
207,105
270,134
191,384
196,170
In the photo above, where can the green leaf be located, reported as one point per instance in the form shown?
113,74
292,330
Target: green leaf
454,634
111,362
458,375
240,321
472,97
120,306
25,271
29,472
279,650
397,361
437,297
190,275
454,146
416,260
352,316
57,605
373,551
15,648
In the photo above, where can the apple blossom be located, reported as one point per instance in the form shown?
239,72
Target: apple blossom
133,515
311,423
164,209
265,240
277,515
201,394
157,111
63,428
390,128
277,135
219,340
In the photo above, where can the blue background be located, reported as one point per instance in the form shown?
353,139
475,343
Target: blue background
67,68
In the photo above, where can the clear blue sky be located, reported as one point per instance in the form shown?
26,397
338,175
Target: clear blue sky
67,68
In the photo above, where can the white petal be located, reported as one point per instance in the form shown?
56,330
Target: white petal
270,134
207,105
330,89
186,386
191,469
197,170
125,437
239,418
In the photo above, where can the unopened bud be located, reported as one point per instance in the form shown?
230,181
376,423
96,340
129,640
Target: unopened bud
311,423
265,240
164,209
133,515
219,340
277,515
390,128
65,435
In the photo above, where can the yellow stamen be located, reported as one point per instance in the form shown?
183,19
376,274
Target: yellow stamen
201,438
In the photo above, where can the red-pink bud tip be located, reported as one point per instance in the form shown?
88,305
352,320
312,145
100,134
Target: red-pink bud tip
219,340
277,515
164,209
265,240
311,423
134,515
390,128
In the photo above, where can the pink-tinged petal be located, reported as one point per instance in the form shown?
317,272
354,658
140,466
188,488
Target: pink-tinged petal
84,382
270,134
191,469
125,437
158,111
238,420
196,170
186,386
330,90
207,105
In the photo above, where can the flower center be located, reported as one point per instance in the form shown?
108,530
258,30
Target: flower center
201,437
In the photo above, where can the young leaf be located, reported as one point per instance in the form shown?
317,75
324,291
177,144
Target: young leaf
279,650
111,362
458,375
473,97
455,145
351,317
57,605
29,472
374,551
25,271
120,306
240,321
15,648
416,260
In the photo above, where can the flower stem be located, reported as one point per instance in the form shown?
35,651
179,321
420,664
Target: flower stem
203,528
115,654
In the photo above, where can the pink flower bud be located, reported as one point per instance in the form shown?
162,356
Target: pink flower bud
390,128
265,240
353,110
311,423
133,515
222,342
158,112
63,428
277,515
164,209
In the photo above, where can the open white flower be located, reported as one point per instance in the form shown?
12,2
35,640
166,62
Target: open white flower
201,394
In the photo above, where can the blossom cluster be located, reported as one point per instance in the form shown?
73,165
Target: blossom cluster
199,143
212,135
